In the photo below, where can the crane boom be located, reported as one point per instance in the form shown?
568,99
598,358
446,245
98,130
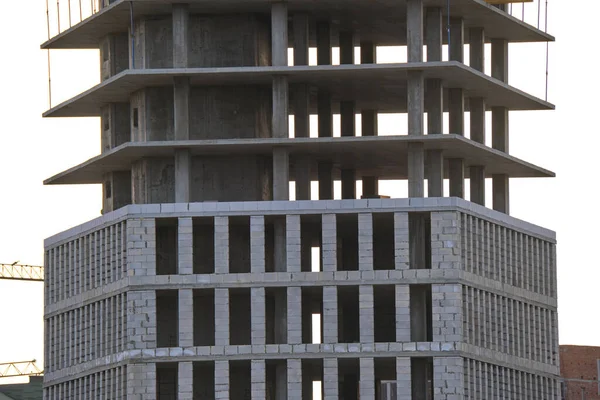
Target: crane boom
20,368
21,272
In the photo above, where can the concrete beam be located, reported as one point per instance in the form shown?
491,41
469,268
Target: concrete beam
279,34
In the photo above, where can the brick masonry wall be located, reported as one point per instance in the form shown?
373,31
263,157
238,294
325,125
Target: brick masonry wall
579,368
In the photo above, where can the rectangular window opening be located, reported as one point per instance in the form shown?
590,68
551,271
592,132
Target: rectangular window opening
204,245
239,317
167,318
166,246
166,381
239,240
384,298
421,373
204,317
419,228
383,241
240,386
204,380
421,318
347,242
276,315
348,315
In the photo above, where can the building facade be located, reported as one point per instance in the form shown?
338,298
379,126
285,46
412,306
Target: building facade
580,371
216,273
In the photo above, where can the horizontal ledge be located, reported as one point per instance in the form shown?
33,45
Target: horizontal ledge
381,156
380,22
381,87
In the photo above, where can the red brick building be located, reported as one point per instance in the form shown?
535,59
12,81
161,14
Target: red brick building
580,369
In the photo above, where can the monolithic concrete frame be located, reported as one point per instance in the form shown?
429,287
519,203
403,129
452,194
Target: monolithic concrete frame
203,279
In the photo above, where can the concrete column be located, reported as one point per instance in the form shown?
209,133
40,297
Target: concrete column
258,379
348,128
221,318
181,103
448,298
141,381
258,316
325,168
185,378
330,379
367,378
281,175
477,113
294,315
330,315
301,105
222,379
403,377
365,242
257,244
293,243
416,94
457,40
186,318
141,326
294,379
445,240
366,313
279,34
329,243
500,183
434,103
368,55
401,241
403,313
456,108
221,245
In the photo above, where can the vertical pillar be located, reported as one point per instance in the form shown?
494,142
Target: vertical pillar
293,243
294,315
330,379
325,116
403,313
301,105
366,313
416,105
329,243
434,103
403,378
401,241
279,51
449,296
185,384
477,113
221,245
365,242
330,315
185,246
181,97
222,379
257,316
347,116
367,378
294,378
456,108
448,373
258,379
500,182
186,317
257,244
370,184
221,318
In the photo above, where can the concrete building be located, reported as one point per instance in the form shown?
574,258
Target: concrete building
580,370
203,280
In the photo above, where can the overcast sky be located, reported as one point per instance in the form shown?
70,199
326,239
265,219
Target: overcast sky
565,141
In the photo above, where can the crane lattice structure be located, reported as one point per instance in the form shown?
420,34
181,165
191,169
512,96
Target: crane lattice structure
21,272
20,368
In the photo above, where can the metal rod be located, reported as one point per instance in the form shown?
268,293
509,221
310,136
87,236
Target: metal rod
49,83
448,29
523,12
48,18
80,12
539,12
69,13
58,14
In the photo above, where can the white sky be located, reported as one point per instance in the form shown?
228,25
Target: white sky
34,149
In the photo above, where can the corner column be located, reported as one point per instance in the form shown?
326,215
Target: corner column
324,111
456,108
500,182
434,103
477,113
416,102
370,184
181,97
301,106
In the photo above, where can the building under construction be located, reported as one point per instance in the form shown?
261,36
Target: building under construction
216,273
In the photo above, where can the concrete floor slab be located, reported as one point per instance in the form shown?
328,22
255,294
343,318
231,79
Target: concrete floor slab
373,86
382,156
380,21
